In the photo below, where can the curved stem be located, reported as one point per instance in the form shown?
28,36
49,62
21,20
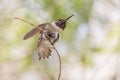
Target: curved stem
60,66
17,18
24,21
60,62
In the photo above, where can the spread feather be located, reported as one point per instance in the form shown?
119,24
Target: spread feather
44,47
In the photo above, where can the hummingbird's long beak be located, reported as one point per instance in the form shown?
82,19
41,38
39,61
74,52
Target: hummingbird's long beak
69,17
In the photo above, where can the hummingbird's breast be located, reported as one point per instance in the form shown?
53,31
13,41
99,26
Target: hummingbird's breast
52,35
52,32
46,42
55,27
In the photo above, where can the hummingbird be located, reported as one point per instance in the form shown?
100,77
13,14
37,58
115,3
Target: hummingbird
49,35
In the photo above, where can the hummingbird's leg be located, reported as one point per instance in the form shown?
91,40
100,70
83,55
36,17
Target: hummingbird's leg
57,37
49,36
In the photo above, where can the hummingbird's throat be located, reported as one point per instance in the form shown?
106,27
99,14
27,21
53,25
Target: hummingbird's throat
56,27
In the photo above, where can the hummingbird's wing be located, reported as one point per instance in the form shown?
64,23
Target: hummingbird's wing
35,31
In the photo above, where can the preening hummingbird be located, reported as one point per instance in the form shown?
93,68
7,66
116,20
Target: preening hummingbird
49,35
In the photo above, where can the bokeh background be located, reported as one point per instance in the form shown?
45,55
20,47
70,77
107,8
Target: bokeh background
89,46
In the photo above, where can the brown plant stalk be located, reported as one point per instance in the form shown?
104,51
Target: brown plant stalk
60,63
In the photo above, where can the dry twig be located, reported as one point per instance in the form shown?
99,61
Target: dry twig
60,63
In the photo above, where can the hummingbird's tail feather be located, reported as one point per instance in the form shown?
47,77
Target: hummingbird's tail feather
44,51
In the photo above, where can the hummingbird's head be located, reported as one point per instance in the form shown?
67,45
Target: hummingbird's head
61,23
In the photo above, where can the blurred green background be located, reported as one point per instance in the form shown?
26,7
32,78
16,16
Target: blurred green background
89,46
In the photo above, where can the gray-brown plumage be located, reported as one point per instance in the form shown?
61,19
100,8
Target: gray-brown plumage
44,47
34,31
46,41
49,34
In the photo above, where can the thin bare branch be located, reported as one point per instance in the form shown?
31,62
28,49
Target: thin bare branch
24,21
60,63
18,19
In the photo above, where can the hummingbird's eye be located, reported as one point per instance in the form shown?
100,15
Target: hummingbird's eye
60,20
